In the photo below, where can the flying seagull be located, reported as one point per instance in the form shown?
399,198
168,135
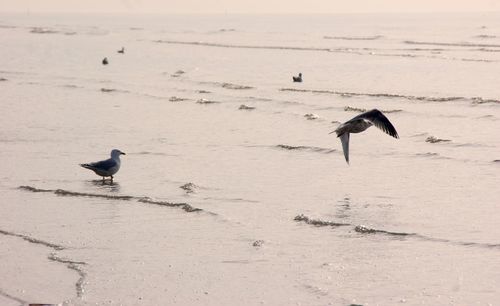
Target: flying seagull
360,123
107,167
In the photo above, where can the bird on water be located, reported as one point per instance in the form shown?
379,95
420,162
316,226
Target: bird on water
360,123
108,167
122,51
297,78
105,61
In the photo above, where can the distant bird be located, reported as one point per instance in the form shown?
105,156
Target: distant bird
105,61
297,78
122,51
107,167
360,123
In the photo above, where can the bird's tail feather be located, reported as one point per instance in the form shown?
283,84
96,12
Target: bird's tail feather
86,166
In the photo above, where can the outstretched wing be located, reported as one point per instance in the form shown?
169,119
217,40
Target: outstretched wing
380,120
345,145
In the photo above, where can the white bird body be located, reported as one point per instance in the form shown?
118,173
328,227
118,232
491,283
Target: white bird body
359,124
108,167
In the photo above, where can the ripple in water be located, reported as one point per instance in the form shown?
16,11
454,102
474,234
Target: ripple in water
246,107
364,230
433,139
184,206
304,148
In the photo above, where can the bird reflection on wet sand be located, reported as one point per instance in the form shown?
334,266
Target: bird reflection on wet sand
106,185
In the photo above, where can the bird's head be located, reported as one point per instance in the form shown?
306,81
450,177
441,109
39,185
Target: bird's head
116,153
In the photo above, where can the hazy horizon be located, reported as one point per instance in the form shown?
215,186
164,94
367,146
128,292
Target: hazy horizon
238,7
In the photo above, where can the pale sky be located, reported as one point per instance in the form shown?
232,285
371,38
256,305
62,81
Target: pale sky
248,6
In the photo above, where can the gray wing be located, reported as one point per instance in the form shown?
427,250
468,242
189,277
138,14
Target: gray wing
104,165
345,145
379,120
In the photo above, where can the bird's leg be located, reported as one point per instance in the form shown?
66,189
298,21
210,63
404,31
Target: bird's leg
111,178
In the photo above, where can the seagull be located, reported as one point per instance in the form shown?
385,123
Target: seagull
360,123
122,51
297,78
105,61
107,167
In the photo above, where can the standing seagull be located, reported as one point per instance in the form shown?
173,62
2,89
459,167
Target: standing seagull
360,123
297,78
107,167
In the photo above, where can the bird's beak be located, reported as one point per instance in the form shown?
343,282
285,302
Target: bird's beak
331,132
122,153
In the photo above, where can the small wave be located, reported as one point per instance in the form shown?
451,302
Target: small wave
107,89
479,60
189,187
176,99
366,230
354,109
51,245
203,91
246,107
40,30
496,161
71,86
205,101
178,73
488,50
235,86
6,26
62,192
433,139
491,117
147,153
381,95
112,90
230,199
219,45
73,265
311,116
184,206
3,79
362,110
452,44
317,222
479,100
485,36
431,155
227,85
428,154
375,37
361,229
14,298
304,148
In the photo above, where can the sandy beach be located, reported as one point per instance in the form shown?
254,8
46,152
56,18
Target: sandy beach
232,191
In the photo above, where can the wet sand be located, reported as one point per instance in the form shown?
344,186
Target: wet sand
232,190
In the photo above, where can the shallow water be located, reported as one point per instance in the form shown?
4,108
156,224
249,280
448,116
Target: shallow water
217,203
